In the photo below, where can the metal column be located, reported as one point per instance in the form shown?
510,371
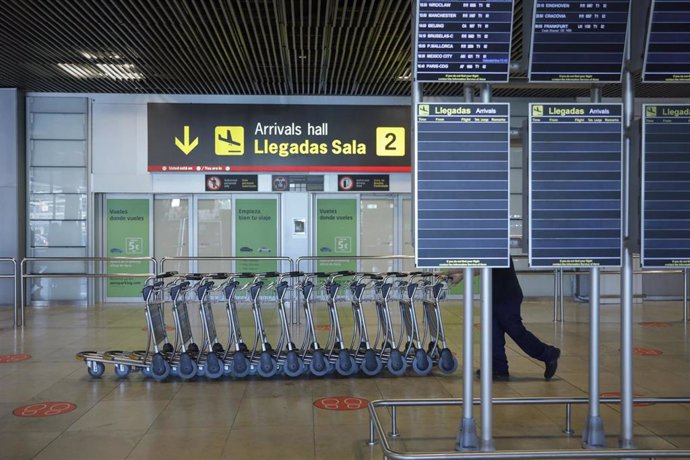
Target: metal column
467,437
626,314
487,442
593,434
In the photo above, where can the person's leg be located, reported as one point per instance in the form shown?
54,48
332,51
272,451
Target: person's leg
510,321
498,346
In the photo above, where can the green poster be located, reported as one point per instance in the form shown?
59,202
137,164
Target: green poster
127,230
256,234
336,233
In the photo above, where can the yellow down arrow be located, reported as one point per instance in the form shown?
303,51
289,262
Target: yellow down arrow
186,146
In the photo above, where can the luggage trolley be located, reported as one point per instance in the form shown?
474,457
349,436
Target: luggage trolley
292,362
262,359
434,290
154,365
312,352
367,358
185,354
210,360
338,354
236,362
415,353
389,352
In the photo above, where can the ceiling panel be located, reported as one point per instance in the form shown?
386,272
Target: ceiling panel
244,47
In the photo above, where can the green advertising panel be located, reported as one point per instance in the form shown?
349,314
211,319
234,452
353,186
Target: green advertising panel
256,234
336,233
127,230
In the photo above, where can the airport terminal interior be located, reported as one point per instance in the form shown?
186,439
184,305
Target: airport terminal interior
233,229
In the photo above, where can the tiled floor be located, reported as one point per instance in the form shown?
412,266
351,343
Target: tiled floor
140,418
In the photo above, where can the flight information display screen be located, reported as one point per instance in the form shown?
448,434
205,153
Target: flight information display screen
666,186
576,41
575,180
464,41
462,185
667,57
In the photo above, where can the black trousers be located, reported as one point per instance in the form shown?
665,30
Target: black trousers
507,320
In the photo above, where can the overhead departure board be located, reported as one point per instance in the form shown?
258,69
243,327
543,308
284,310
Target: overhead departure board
464,41
462,185
575,153
666,186
576,41
667,58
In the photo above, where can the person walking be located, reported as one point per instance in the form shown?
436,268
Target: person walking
506,302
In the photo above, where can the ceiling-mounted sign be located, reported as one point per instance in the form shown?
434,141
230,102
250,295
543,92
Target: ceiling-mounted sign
667,58
666,186
232,182
459,41
364,183
576,41
575,185
297,183
462,185
277,138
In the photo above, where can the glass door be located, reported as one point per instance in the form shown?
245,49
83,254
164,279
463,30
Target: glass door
171,236
213,236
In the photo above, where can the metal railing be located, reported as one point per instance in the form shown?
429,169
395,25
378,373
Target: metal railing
559,284
346,258
13,277
376,429
163,260
91,272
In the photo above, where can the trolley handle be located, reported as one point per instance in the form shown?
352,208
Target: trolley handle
194,276
166,275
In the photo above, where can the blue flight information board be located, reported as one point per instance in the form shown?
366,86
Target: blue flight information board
575,180
667,57
577,41
666,186
464,41
462,185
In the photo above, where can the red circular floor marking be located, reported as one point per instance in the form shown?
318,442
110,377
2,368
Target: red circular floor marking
654,324
14,358
615,394
341,403
646,352
323,327
44,409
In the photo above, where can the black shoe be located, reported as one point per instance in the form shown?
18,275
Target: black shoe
497,376
552,365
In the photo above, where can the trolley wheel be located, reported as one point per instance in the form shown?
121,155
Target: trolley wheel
160,368
268,367
240,365
372,364
122,370
147,371
187,368
396,363
346,364
95,368
168,348
447,363
193,348
294,364
214,368
319,365
422,363
217,348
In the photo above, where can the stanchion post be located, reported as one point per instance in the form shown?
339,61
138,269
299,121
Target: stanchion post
593,434
487,442
467,436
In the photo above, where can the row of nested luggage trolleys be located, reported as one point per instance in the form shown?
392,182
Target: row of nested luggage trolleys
417,343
